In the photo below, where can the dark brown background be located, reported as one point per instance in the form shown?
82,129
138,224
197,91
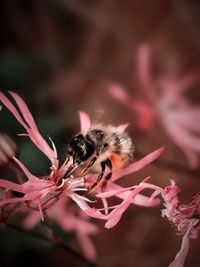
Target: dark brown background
59,55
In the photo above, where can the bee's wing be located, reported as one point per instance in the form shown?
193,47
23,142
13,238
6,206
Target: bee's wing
99,113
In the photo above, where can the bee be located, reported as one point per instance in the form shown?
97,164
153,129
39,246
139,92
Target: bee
105,145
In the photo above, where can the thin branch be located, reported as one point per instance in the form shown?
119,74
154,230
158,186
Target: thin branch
56,243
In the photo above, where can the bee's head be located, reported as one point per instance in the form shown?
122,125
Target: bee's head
80,148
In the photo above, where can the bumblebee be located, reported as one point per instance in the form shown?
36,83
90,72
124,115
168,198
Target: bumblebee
105,145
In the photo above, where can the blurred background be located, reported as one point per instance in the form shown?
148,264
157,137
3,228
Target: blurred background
61,56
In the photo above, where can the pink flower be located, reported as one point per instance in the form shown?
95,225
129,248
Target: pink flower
185,218
163,99
40,193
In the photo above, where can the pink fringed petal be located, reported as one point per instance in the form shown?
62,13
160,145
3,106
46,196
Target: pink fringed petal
92,212
140,200
131,193
115,216
29,125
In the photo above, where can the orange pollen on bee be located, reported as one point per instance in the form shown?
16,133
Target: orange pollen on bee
118,162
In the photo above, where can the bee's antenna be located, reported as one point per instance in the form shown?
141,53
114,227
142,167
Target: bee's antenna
57,139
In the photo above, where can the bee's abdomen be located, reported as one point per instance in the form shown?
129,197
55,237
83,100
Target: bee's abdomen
118,161
122,143
122,150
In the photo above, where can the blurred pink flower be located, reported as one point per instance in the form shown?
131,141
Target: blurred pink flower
70,219
8,149
163,99
41,193
185,218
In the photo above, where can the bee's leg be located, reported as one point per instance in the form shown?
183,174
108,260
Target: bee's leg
109,165
109,175
93,160
103,166
71,168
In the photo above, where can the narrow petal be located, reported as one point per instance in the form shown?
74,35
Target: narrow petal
115,192
144,71
105,205
11,107
12,186
182,136
182,254
192,157
25,111
122,127
187,80
188,143
189,118
118,92
28,174
146,115
140,200
131,168
29,124
31,220
41,212
87,246
92,212
84,121
14,200
115,216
